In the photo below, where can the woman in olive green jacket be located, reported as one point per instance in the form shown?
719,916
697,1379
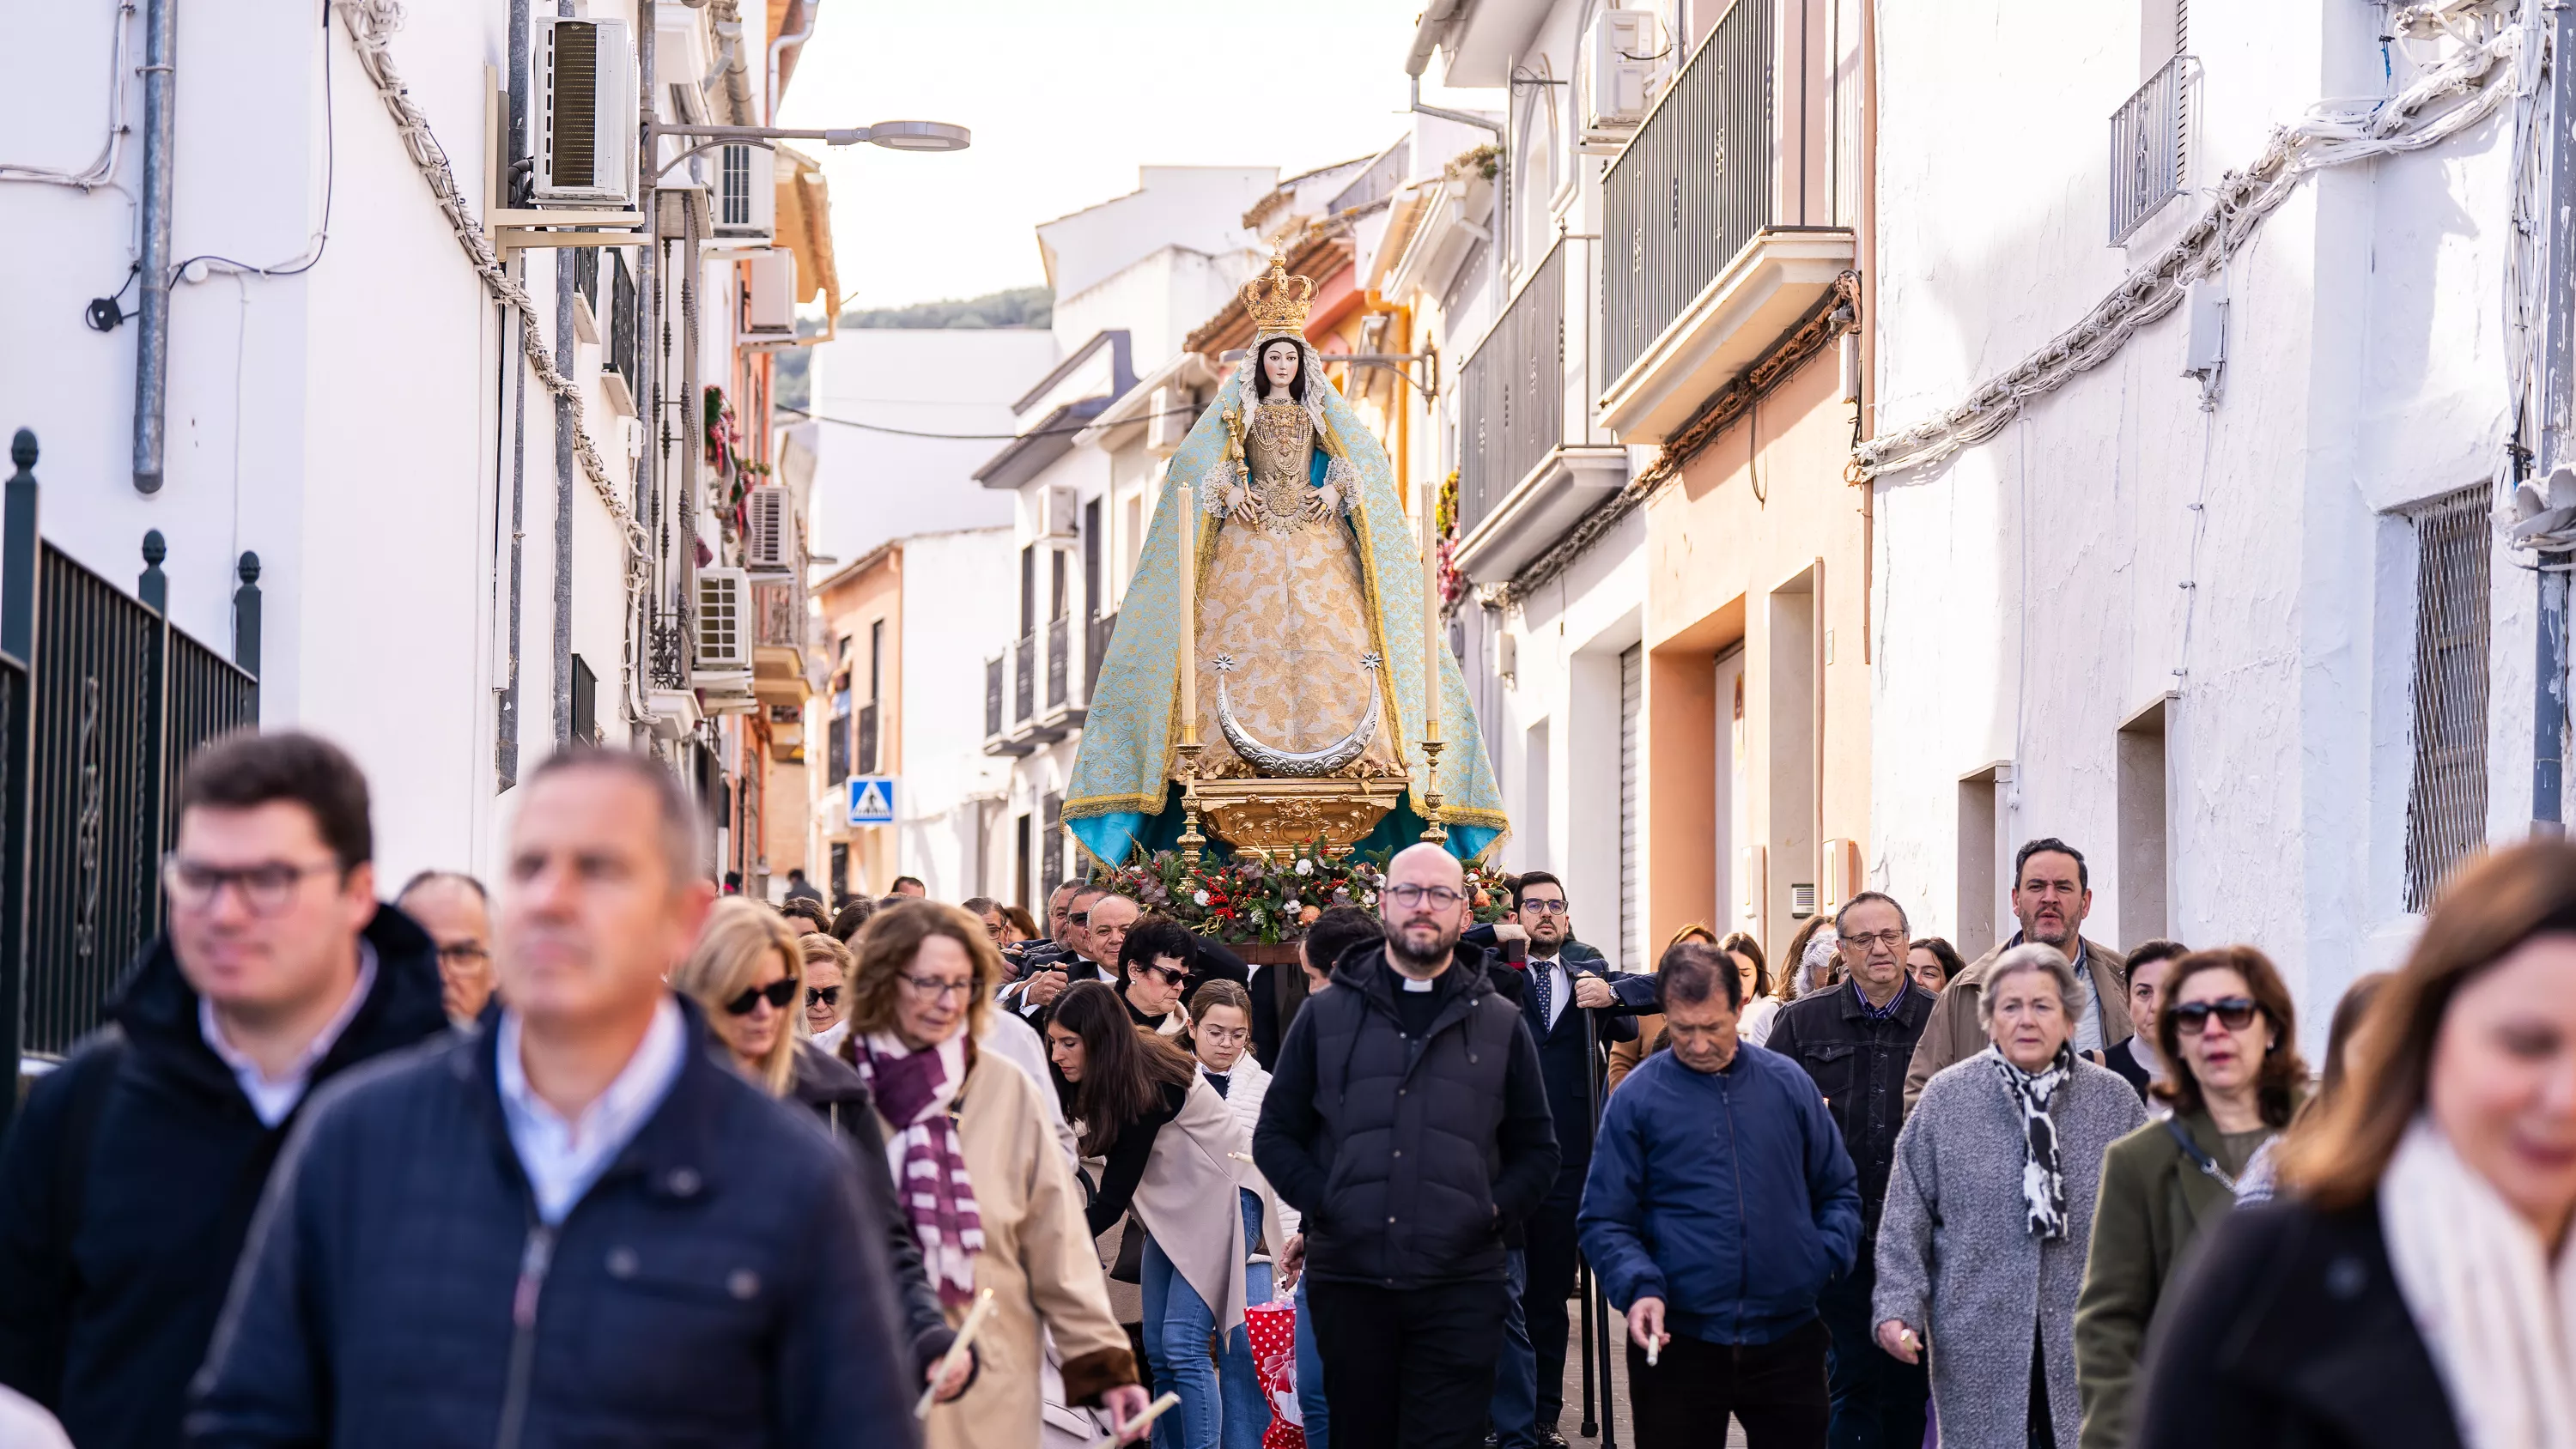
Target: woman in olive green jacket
2227,1025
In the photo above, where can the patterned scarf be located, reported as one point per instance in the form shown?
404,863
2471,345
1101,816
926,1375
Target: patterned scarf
914,1090
2043,1184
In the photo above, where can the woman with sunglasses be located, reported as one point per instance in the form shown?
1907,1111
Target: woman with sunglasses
746,974
2228,1026
1168,1142
2415,1284
1153,968
993,1203
827,973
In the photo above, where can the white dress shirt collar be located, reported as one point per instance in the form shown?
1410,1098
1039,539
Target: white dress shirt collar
274,1097
562,1158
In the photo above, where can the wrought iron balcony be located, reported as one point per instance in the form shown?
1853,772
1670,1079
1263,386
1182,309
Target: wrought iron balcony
867,723
1059,639
1103,628
1532,460
1723,220
1024,678
2147,137
992,696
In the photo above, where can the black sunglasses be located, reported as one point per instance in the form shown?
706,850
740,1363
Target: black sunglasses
2233,1012
779,993
1165,974
820,996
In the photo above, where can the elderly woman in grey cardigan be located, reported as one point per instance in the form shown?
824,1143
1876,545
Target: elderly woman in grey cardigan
1981,1249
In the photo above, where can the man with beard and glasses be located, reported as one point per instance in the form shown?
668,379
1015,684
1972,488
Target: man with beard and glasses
1407,1120
2052,892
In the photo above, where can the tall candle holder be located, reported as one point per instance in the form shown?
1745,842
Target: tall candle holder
1432,829
1191,839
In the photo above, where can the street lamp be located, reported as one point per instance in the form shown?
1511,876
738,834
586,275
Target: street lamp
893,135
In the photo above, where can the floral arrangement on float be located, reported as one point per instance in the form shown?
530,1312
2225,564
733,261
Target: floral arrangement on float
1253,899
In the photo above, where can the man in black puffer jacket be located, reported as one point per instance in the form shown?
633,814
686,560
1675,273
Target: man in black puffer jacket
1408,1120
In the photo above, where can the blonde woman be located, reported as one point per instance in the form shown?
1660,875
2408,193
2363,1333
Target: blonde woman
993,1204
827,976
745,974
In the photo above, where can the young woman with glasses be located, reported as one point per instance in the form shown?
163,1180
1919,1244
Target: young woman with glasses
2227,1025
1168,1143
994,1204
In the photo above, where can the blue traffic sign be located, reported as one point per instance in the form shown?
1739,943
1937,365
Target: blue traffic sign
872,799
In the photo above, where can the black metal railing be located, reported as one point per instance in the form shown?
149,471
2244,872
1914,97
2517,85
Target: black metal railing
868,738
2147,150
993,696
1024,677
836,753
1511,393
1104,627
1732,148
1059,639
102,701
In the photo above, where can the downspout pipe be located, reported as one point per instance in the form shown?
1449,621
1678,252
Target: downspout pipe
561,690
2557,449
778,47
152,313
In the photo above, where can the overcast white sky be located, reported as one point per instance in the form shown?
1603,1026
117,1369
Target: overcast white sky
1066,99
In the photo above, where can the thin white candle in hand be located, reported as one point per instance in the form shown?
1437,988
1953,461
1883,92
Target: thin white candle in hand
1152,1412
956,1355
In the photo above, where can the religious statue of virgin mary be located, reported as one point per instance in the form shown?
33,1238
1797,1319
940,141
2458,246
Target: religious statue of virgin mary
1305,620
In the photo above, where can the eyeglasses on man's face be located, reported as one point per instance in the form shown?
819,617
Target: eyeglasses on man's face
267,888
1544,907
1414,896
464,953
1891,940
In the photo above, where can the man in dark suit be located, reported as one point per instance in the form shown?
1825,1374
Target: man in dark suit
1564,984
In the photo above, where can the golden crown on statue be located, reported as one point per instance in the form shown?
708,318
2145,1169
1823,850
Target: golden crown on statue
1278,308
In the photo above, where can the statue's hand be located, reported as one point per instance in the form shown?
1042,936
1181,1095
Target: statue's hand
1246,506
1322,503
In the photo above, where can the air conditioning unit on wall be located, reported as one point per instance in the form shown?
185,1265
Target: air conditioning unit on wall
769,529
724,623
769,309
585,120
746,200
1625,58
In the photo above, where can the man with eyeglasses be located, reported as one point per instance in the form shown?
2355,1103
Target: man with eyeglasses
1407,1120
130,1181
593,1228
1573,1014
1856,1041
452,907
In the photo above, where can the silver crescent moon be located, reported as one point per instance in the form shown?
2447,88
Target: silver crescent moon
1296,764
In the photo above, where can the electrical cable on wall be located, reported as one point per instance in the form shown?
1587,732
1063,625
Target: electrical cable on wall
2497,59
321,241
102,171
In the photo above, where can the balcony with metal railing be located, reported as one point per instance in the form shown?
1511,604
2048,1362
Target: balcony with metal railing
1065,710
1724,222
2147,138
1532,458
1024,679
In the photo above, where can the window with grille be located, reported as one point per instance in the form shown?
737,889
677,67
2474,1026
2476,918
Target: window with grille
2446,803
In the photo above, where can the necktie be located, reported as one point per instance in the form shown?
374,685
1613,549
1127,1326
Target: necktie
1221,1083
1542,980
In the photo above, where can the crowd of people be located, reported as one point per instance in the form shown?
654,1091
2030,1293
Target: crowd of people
609,1152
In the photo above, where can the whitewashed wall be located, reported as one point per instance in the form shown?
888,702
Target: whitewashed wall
2030,594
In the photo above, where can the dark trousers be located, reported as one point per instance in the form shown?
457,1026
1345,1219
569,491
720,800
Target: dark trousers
1775,1390
1552,1259
1411,1367
1878,1399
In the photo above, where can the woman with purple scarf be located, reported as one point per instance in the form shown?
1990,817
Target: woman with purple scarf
984,1189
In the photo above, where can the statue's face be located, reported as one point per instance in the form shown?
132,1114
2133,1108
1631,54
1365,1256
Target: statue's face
1279,363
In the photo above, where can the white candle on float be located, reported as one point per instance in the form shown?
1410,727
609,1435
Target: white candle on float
1431,682
1189,535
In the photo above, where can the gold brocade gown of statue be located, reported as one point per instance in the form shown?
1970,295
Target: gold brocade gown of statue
1284,602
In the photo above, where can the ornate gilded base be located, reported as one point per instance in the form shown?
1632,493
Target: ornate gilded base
1276,818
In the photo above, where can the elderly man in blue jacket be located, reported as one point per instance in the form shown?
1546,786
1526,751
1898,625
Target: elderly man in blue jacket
1719,1205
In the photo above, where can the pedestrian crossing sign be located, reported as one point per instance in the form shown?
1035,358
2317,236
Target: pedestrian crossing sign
872,799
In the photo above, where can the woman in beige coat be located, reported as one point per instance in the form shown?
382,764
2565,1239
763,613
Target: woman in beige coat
989,1196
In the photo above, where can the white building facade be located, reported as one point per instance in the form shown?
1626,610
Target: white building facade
2216,589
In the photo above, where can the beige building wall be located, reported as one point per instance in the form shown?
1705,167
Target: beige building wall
1757,579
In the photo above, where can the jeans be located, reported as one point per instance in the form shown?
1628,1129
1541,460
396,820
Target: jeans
1775,1390
1516,1386
1879,1401
1310,1377
1177,1326
1247,1413
1410,1367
